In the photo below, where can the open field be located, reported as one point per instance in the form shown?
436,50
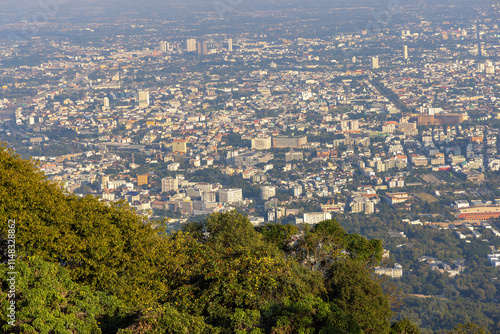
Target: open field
426,197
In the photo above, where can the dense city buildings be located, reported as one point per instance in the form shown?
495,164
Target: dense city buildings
389,127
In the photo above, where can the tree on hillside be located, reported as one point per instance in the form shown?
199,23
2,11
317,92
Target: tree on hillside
350,286
404,326
48,301
469,328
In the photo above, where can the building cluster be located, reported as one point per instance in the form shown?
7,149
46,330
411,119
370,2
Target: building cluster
494,259
181,120
283,129
453,269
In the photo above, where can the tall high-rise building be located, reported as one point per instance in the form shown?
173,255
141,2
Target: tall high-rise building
297,190
202,48
349,125
230,45
143,99
375,64
163,46
344,125
267,192
169,184
230,195
191,45
104,181
405,52
142,179
479,46
106,102
354,125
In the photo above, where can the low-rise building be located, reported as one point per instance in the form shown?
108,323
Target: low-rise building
395,272
395,198
316,217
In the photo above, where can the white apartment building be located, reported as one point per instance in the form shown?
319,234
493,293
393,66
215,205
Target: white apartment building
230,195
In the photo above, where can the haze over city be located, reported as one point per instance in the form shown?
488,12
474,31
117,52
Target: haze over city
266,150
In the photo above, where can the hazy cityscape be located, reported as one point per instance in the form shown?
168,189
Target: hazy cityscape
382,115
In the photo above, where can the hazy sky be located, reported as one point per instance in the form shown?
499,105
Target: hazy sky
7,5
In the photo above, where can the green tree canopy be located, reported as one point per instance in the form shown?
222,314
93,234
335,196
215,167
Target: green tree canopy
469,328
48,301
404,326
349,285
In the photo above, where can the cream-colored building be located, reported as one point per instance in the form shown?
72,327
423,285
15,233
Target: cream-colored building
230,195
394,272
191,45
179,146
316,217
261,143
143,99
267,192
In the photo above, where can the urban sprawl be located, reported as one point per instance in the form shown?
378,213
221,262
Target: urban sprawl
287,130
